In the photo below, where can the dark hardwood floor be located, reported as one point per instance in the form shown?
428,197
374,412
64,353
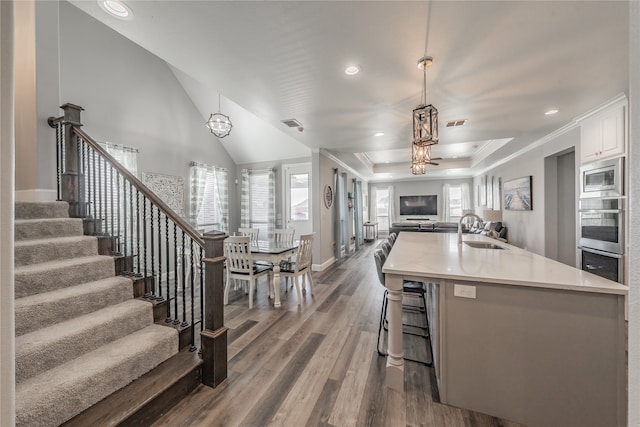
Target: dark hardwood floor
316,364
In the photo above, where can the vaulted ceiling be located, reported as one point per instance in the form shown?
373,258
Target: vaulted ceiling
499,65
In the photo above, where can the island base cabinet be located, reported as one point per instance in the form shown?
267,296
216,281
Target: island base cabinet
537,356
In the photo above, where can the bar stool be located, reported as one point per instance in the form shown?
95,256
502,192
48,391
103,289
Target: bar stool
415,289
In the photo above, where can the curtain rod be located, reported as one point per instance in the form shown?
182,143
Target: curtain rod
194,163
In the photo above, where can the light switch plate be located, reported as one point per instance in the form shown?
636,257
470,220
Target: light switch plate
464,291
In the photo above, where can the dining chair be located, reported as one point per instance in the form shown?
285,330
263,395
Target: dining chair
301,267
251,232
385,246
240,265
392,238
409,288
283,235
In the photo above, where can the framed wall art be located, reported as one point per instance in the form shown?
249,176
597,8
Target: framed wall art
517,194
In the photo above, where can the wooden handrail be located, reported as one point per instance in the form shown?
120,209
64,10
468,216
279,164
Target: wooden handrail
184,225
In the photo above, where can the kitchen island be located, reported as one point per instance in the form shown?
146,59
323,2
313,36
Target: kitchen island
514,334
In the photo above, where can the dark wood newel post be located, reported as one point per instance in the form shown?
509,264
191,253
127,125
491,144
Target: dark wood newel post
214,335
72,177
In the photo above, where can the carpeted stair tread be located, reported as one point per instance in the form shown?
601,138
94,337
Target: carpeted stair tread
44,250
37,311
27,229
49,347
34,210
57,395
48,276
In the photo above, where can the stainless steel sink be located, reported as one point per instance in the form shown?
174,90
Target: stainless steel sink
482,245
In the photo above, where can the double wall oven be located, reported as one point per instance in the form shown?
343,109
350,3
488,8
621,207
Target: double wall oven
601,219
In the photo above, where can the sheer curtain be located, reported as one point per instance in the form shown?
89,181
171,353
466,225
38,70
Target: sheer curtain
357,212
391,207
453,207
373,197
208,197
126,156
446,202
344,218
337,235
271,215
245,214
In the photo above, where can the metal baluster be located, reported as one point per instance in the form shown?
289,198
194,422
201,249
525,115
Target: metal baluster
99,199
118,190
144,234
112,231
93,182
175,274
124,220
193,338
184,285
201,289
159,254
82,175
78,160
58,160
138,230
166,237
152,244
87,180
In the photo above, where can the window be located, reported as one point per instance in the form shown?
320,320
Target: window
382,208
455,201
299,185
259,202
209,206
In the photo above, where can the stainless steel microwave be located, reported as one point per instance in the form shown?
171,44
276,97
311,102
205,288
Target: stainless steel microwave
602,179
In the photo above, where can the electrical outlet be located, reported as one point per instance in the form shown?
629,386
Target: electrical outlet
464,291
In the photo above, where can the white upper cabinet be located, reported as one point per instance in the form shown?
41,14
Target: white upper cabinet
603,134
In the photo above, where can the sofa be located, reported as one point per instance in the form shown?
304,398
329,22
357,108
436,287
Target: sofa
426,226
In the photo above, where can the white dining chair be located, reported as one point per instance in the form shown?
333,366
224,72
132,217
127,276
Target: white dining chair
251,232
240,265
283,235
300,269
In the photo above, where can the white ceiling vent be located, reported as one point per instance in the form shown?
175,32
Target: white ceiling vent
456,123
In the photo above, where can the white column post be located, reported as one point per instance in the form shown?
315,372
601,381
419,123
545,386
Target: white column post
395,358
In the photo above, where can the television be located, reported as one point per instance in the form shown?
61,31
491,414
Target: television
419,205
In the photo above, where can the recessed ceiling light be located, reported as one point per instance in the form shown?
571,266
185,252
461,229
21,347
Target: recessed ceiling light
116,8
378,134
352,70
455,157
550,112
386,161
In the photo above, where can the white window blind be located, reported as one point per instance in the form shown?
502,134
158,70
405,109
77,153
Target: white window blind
259,201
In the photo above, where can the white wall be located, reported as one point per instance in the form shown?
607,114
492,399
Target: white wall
7,171
526,228
131,97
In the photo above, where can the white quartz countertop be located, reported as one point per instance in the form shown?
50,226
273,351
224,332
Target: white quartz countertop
438,255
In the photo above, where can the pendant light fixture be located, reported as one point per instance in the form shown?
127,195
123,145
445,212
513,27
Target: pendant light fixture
218,123
425,127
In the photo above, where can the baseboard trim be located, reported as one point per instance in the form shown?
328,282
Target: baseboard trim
321,267
36,195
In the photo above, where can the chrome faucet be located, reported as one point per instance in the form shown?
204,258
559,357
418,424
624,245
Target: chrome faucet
460,225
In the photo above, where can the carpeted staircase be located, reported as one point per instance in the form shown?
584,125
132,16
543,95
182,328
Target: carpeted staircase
80,334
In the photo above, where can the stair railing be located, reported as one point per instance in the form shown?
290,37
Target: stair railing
171,264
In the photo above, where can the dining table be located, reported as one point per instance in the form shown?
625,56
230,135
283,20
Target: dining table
273,252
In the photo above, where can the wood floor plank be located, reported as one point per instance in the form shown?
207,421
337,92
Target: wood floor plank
264,411
326,400
345,412
234,334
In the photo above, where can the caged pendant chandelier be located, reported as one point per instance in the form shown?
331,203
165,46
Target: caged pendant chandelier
425,127
218,123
